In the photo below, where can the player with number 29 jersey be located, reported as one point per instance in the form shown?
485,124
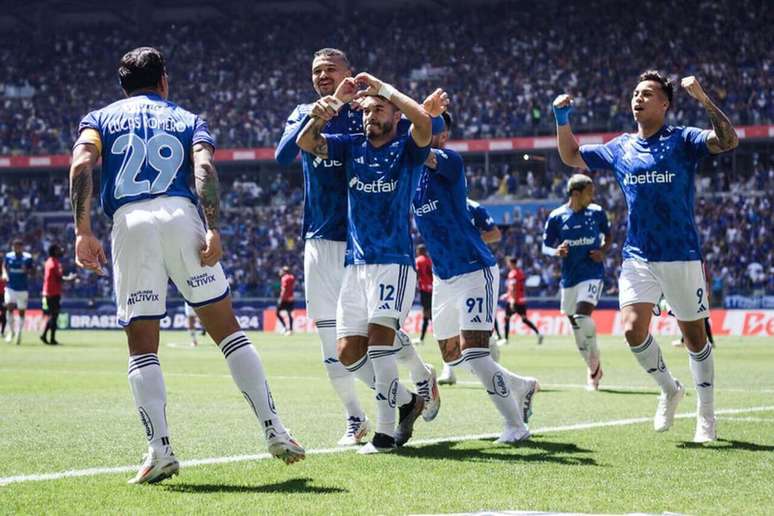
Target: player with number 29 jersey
145,143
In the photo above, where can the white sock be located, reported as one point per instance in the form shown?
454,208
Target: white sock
342,380
21,325
11,323
390,394
495,382
150,398
363,369
192,333
585,332
408,356
247,371
648,354
460,363
702,364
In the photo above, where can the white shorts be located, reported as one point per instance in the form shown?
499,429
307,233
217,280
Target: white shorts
323,275
16,297
188,310
682,284
465,302
584,292
153,241
374,291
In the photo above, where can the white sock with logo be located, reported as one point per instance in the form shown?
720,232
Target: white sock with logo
409,357
150,398
247,371
390,394
702,364
342,380
496,383
648,354
585,332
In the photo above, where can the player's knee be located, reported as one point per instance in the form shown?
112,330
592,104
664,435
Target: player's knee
635,332
349,350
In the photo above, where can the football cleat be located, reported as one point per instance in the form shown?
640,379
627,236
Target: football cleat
156,466
357,429
285,448
513,434
524,392
666,408
540,339
705,428
407,416
9,337
593,378
447,376
429,392
381,443
502,342
678,343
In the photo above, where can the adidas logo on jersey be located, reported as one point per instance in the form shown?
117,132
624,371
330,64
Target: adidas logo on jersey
378,186
327,163
648,178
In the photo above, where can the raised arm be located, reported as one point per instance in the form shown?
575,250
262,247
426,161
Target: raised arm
208,190
88,249
569,150
311,139
723,136
421,125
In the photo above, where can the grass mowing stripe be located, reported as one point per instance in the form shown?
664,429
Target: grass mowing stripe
322,451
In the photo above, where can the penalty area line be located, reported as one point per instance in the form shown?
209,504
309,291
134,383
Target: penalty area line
90,472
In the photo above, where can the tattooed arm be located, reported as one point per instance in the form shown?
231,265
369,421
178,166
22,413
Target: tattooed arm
208,190
311,139
723,137
88,249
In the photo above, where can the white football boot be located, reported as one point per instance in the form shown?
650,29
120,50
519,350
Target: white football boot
285,448
156,466
666,408
357,430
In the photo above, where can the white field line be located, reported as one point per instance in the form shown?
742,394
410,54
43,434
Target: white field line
749,419
325,451
579,386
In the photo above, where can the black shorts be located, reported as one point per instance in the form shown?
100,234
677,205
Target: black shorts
426,298
51,304
516,308
285,305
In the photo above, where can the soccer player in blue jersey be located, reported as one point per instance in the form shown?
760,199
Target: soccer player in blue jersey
655,168
325,235
465,285
149,146
17,267
379,281
578,232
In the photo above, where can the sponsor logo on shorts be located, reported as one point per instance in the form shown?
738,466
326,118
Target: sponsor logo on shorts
200,280
499,386
142,296
392,394
146,422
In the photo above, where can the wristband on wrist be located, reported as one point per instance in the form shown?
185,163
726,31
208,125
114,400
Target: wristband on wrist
386,91
562,114
336,103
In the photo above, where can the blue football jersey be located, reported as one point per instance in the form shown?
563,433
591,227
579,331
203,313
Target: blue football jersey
657,178
325,180
443,218
480,217
146,149
17,268
583,231
380,182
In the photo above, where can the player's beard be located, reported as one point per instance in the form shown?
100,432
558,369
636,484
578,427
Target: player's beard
376,130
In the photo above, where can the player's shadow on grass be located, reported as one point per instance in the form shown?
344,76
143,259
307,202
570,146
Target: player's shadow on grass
535,450
638,392
294,485
727,445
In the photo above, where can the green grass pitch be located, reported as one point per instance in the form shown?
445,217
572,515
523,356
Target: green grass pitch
69,409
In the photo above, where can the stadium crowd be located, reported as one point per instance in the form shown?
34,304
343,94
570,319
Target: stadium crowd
245,81
262,232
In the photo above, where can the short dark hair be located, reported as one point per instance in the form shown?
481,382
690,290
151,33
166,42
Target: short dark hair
448,120
54,250
666,85
333,52
17,241
141,68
